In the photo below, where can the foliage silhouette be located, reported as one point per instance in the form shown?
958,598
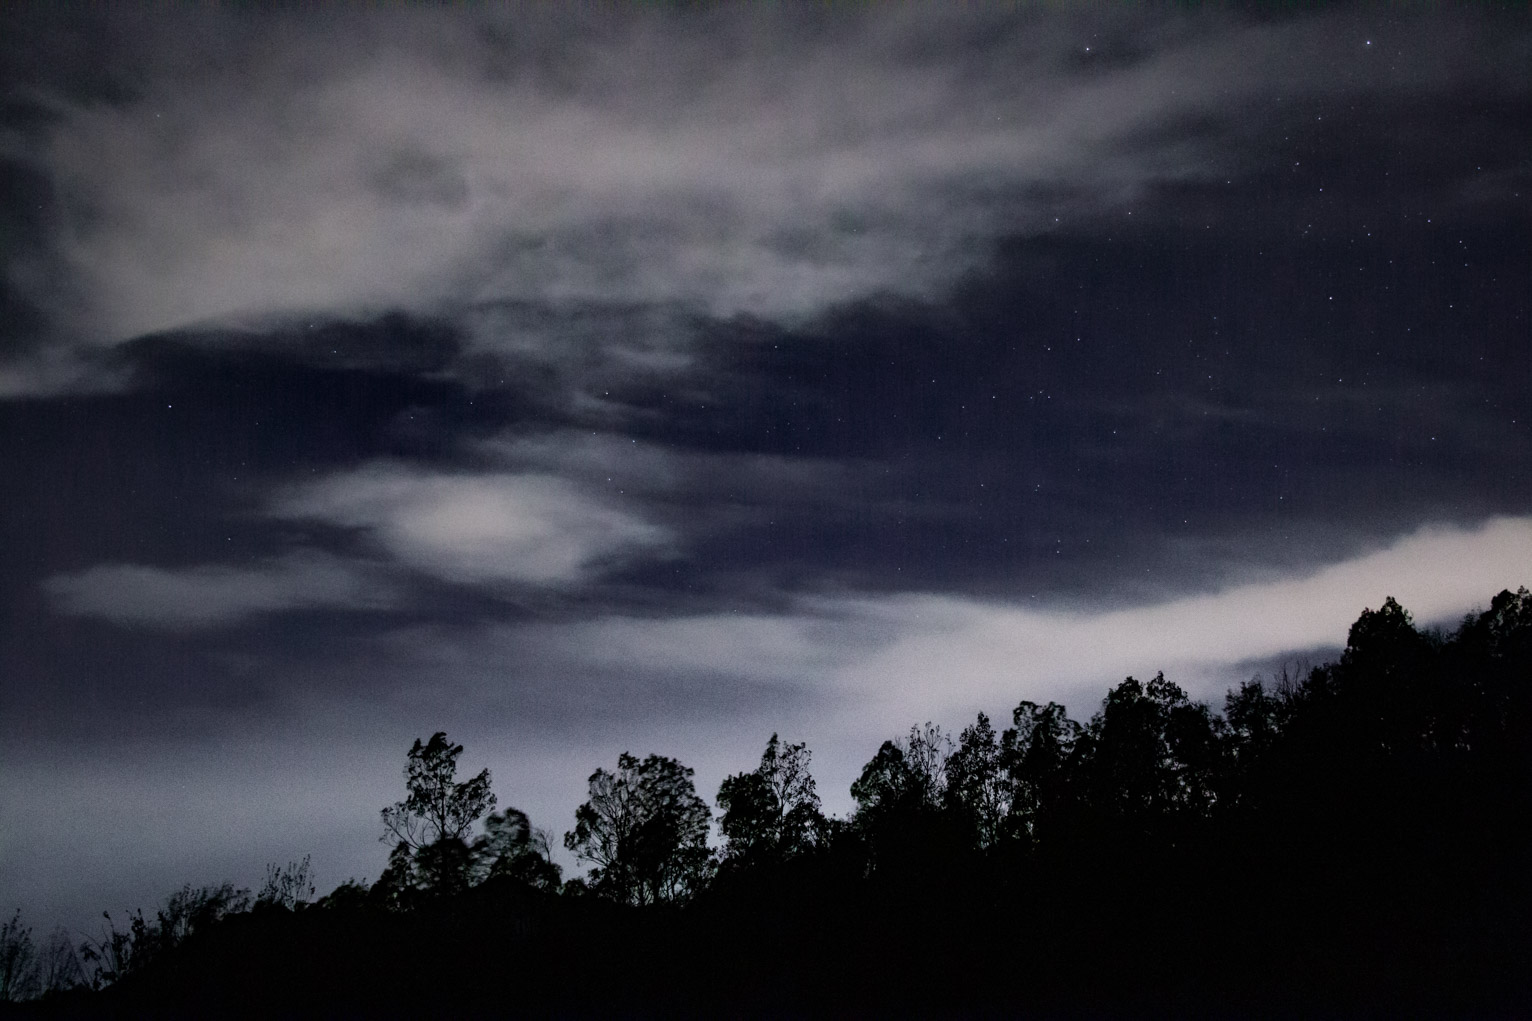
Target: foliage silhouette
120,953
771,814
428,829
511,848
1037,752
18,961
979,791
289,886
644,829
1347,841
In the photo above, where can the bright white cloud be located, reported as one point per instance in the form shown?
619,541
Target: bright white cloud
527,528
211,595
894,660
739,161
956,652
845,673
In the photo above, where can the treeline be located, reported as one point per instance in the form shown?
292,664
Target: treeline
1353,840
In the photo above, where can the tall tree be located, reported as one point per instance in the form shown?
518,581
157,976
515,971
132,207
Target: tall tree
429,828
771,813
1038,752
437,806
901,801
1152,752
905,774
644,829
979,790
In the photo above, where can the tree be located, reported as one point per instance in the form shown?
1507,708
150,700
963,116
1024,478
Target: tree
188,911
1254,719
901,801
18,961
510,847
978,789
289,887
886,783
438,807
194,909
927,751
59,967
1383,641
1387,683
645,830
771,813
905,775
1038,752
1490,660
429,828
1153,752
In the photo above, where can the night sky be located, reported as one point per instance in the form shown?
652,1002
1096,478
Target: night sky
658,379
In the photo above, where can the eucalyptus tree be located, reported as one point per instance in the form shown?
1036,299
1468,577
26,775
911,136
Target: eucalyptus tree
771,813
429,828
644,830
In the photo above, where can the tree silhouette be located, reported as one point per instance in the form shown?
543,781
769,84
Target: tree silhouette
510,847
1362,824
1038,753
185,913
18,961
1152,754
901,798
645,830
906,774
1383,641
771,813
289,887
429,828
979,790
438,807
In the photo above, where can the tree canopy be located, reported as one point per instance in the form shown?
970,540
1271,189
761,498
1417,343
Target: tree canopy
771,813
1361,823
644,829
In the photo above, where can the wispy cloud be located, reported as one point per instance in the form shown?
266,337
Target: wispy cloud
736,162
960,652
914,655
498,527
214,595
846,672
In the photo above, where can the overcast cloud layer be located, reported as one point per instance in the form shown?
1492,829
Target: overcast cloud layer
652,380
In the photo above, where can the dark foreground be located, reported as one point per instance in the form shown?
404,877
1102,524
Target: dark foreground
1351,844
1114,935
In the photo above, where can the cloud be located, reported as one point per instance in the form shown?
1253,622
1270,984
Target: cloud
214,595
543,703
917,656
845,672
737,161
501,527
955,651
